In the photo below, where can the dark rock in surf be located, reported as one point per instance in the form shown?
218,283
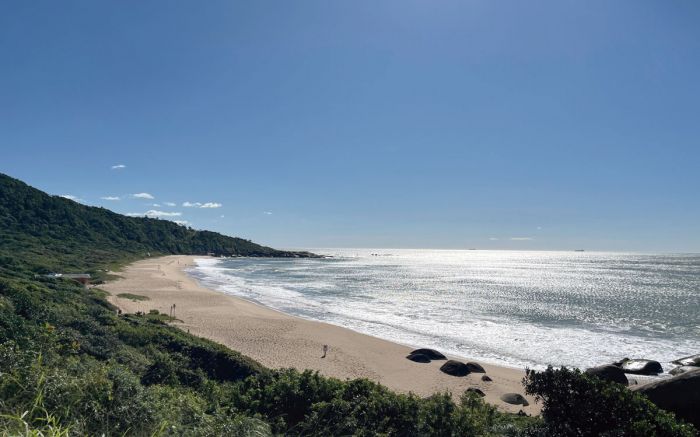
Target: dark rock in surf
680,395
455,368
682,369
475,367
609,372
693,360
430,353
418,358
476,390
514,399
486,378
641,367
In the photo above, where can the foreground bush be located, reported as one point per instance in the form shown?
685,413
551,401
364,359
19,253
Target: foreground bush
576,404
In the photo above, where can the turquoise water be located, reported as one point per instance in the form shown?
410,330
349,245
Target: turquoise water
506,307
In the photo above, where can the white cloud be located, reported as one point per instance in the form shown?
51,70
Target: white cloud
222,216
157,205
71,197
143,196
169,203
493,239
521,239
118,167
110,198
182,222
267,213
201,205
154,214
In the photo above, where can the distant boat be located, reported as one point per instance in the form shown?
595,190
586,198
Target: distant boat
579,250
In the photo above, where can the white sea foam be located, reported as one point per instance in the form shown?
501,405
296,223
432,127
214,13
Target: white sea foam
511,308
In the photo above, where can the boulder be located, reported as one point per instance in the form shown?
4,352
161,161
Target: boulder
609,372
682,369
475,367
514,399
418,358
486,378
693,360
476,390
455,368
430,353
641,367
680,395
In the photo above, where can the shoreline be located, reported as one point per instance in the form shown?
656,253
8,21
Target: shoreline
279,340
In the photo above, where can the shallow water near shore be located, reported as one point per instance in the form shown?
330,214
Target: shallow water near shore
513,308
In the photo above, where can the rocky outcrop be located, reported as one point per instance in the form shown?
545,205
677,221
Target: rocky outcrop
609,372
683,369
486,378
640,366
430,353
693,360
514,399
680,395
418,358
455,368
475,367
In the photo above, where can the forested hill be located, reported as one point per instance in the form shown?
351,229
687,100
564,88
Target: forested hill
40,228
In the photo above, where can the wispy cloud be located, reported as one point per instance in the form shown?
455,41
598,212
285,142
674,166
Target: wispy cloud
267,212
143,196
153,213
110,198
521,238
71,197
169,203
201,205
118,167
157,205
182,222
493,239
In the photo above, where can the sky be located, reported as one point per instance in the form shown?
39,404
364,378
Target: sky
420,124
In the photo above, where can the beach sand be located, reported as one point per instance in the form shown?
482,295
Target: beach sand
278,340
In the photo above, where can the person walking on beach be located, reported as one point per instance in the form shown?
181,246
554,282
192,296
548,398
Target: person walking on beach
325,350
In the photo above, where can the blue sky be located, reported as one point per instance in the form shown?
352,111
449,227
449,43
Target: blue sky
509,124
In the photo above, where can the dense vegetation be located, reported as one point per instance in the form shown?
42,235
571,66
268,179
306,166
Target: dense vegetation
54,233
70,365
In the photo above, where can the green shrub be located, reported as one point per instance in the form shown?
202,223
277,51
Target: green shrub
576,404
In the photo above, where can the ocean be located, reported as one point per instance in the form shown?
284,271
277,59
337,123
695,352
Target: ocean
513,308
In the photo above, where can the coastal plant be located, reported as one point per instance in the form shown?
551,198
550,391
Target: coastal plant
576,404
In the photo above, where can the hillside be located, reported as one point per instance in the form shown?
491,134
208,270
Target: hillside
40,227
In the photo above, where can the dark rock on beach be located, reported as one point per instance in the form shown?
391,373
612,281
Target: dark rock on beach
680,395
475,367
514,399
486,378
683,369
476,390
430,353
640,367
609,372
455,368
419,358
693,360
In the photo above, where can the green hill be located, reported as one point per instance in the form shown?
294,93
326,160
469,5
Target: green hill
57,233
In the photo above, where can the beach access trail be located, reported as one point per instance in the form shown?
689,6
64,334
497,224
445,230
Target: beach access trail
278,340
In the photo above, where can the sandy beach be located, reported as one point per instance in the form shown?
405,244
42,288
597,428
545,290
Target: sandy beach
279,340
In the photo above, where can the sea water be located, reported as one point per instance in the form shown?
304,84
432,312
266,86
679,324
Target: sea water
512,308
